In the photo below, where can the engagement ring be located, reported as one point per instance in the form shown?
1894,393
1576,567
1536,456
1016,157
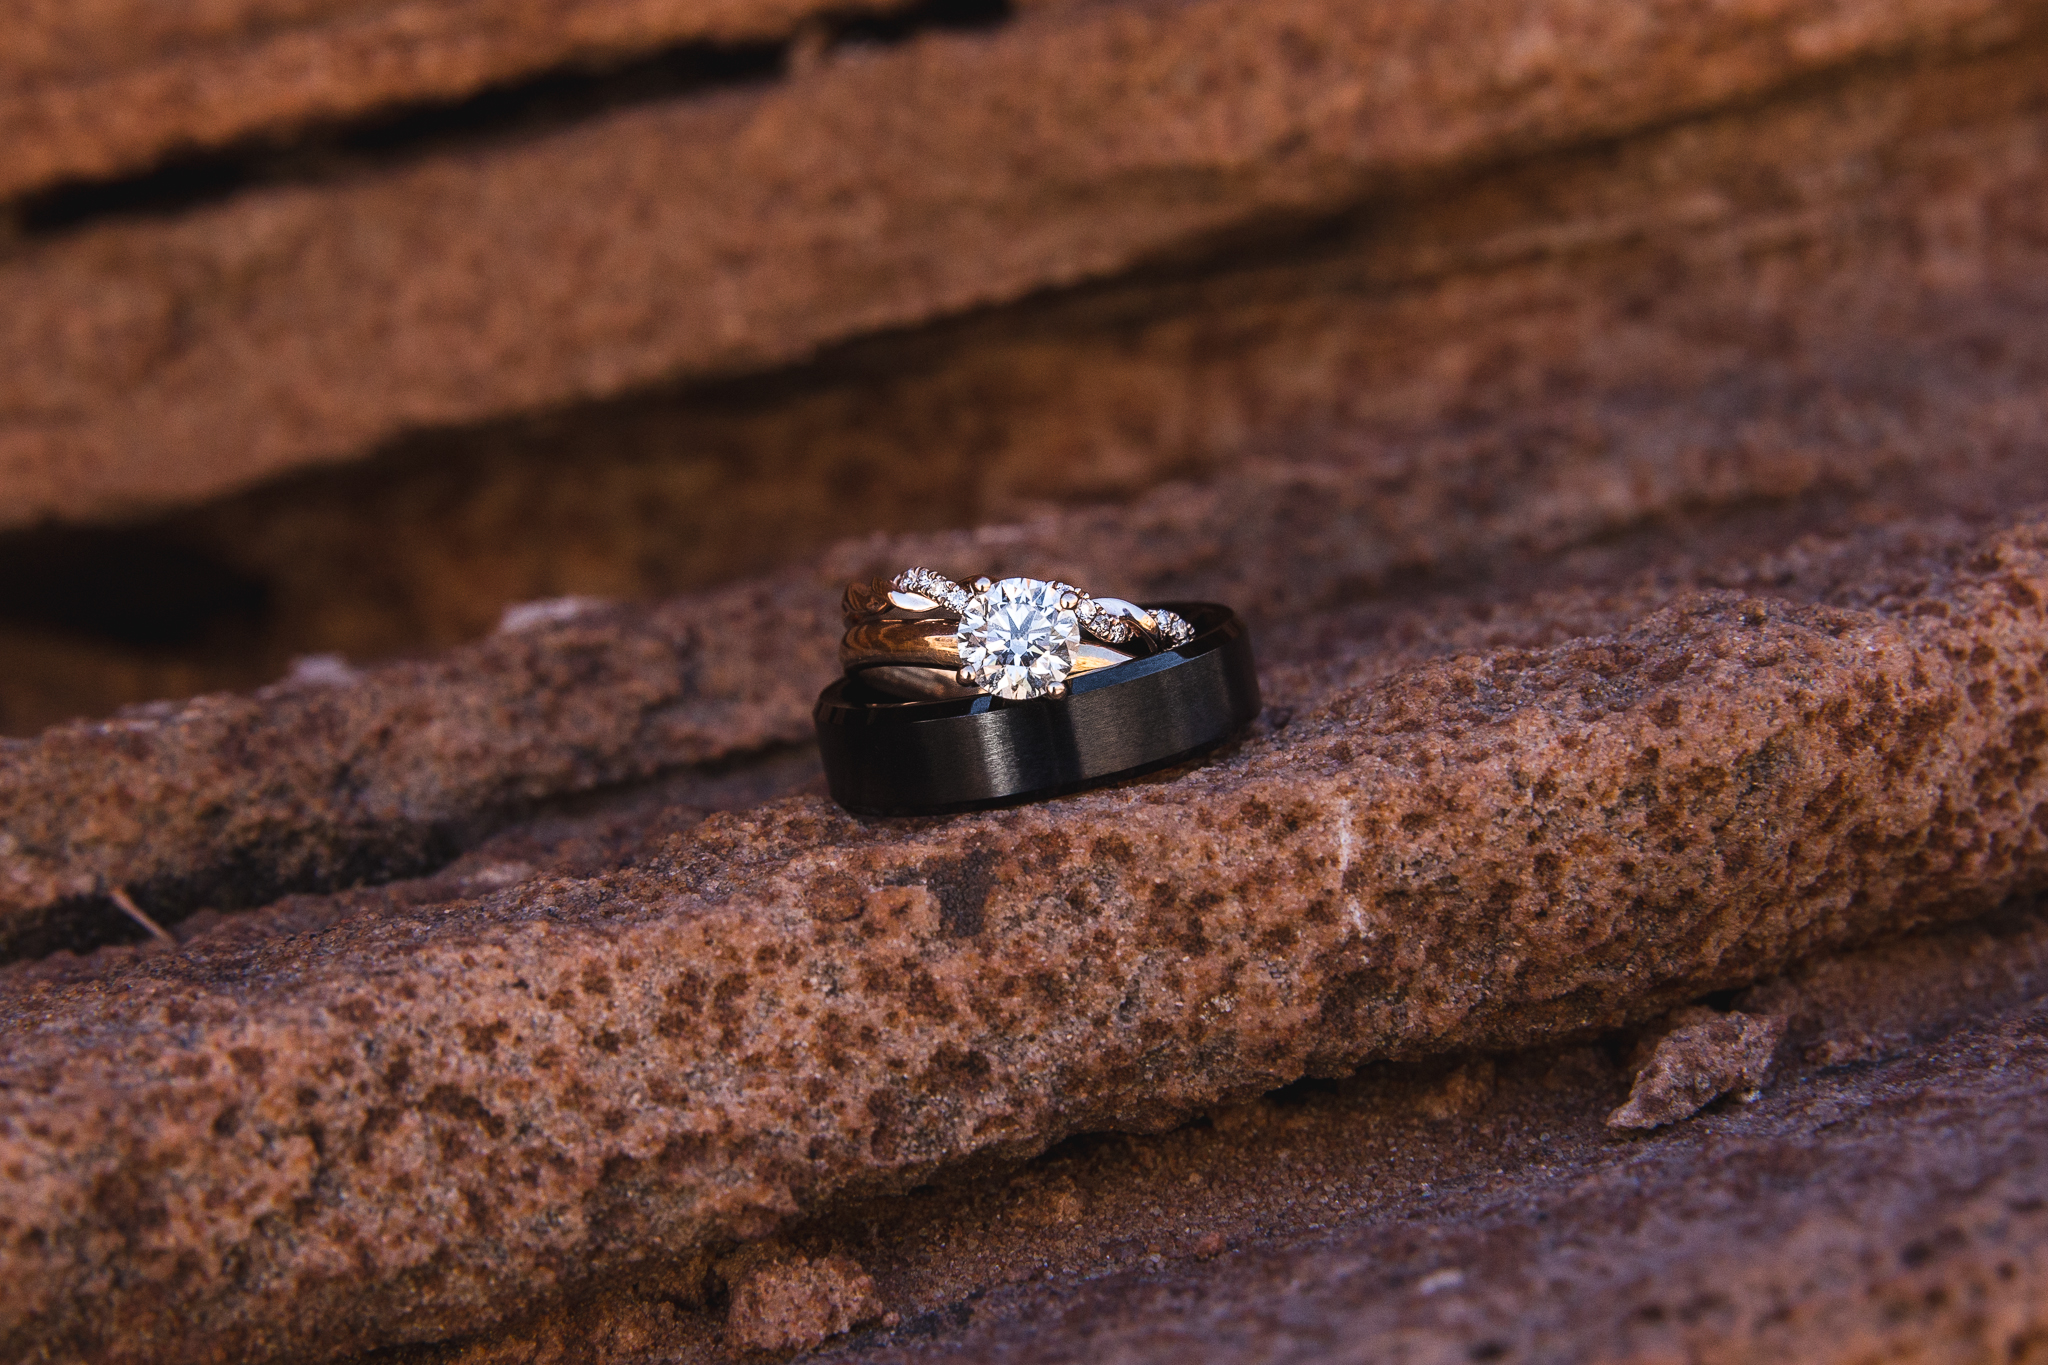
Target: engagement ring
921,634
956,697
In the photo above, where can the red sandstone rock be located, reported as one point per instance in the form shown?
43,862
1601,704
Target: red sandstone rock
1895,1211
402,1121
96,89
794,1304
153,363
1706,1054
1353,1210
316,781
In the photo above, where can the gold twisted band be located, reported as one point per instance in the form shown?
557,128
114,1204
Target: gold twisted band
936,644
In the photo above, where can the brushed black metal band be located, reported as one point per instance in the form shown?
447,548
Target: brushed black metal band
889,757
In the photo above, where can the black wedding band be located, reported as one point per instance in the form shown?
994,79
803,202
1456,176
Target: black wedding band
884,756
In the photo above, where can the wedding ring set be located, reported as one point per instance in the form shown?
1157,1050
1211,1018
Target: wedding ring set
959,696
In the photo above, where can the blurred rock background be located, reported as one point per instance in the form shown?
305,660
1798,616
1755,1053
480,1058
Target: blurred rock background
1561,388
337,327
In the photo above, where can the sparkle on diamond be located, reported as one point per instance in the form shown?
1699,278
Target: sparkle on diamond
1016,641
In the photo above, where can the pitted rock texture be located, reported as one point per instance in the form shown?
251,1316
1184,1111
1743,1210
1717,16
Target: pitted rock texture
228,801
1477,1207
794,1303
152,363
408,1121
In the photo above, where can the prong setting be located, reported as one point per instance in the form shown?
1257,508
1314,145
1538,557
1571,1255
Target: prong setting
1016,638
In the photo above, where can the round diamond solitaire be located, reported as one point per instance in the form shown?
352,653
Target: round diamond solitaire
1017,638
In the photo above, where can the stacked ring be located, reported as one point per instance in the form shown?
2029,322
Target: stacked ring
956,698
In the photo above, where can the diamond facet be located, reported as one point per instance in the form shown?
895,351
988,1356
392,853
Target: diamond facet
1174,627
1016,641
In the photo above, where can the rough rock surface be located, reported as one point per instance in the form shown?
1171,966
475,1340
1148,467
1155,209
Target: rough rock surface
153,362
1706,1054
226,801
387,1121
1478,1209
1898,1212
794,1304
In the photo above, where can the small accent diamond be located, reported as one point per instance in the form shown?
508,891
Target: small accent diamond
936,586
1016,641
1173,626
1104,624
